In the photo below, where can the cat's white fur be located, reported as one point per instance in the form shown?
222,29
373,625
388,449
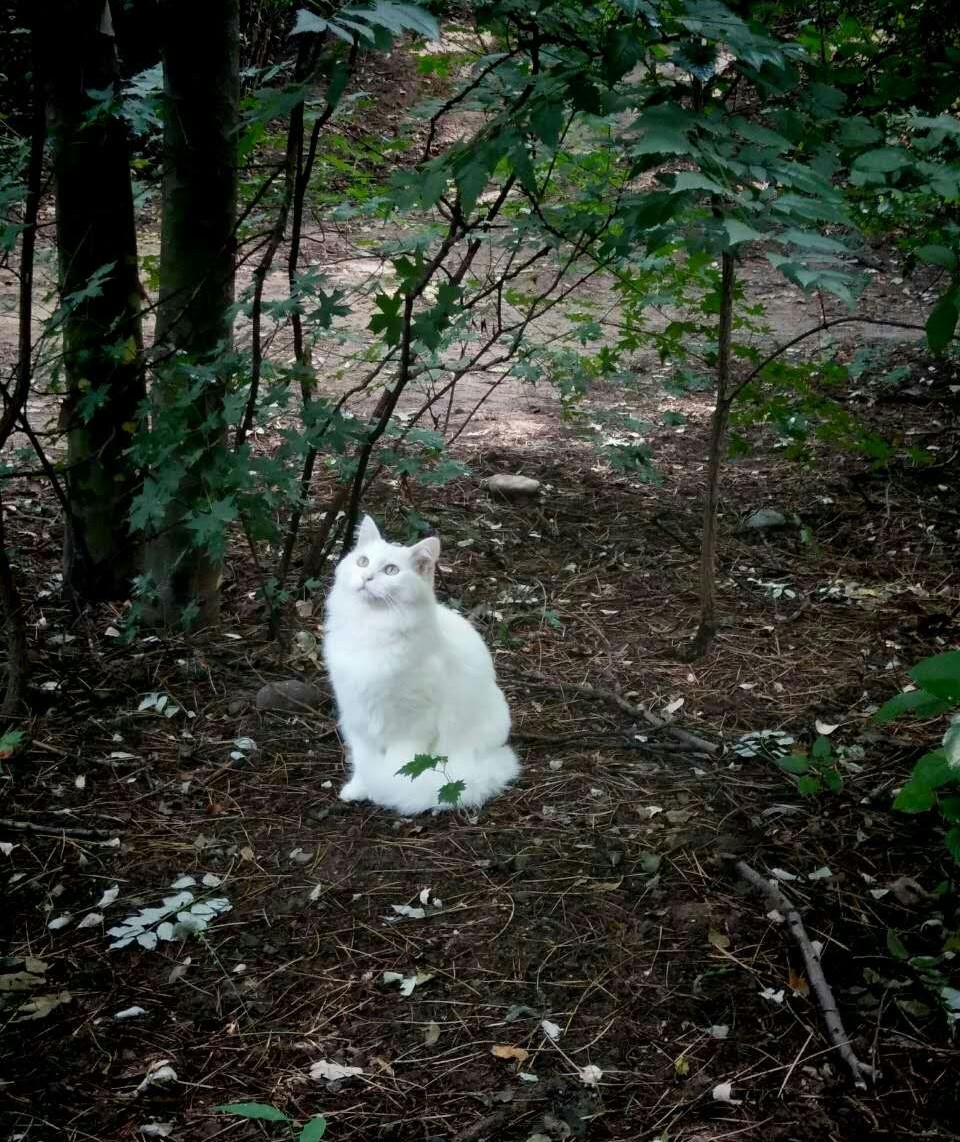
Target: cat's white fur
411,677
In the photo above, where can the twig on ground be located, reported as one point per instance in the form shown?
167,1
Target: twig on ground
821,989
64,830
700,745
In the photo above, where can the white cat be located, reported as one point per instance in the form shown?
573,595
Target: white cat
411,677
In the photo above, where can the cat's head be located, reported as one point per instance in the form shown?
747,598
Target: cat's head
387,575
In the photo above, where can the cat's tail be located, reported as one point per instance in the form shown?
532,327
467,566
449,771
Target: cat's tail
490,773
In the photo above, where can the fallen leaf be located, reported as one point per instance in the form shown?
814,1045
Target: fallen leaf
41,1005
91,920
798,984
160,1073
502,1051
681,1066
129,1013
552,1030
431,1034
782,874
718,939
109,896
528,1077
590,1075
178,971
723,1092
773,996
405,910
18,981
822,873
247,853
7,847
60,921
156,1129
825,728
719,1031
331,1072
407,982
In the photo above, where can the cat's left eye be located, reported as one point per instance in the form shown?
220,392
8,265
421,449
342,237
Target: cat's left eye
391,569
362,561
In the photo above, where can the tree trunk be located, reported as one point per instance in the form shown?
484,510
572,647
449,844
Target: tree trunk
200,45
718,432
96,238
11,612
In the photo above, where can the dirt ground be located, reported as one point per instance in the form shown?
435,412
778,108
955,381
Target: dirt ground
597,894
588,963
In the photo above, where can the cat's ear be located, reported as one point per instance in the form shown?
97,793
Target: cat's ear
425,556
367,532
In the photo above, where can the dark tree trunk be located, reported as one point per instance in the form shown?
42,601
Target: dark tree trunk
102,342
201,79
718,432
17,661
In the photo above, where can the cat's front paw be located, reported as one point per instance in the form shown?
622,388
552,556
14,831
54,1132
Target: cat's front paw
353,791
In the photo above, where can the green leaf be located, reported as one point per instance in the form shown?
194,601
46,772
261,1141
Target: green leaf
934,770
883,160
938,256
832,779
942,322
451,793
914,797
254,1110
919,702
738,232
693,180
808,785
821,749
896,946
662,141
388,321
547,122
314,1129
397,18
307,22
796,763
420,764
939,674
950,809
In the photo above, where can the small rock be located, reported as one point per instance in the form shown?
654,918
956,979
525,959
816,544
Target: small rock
512,487
237,707
290,694
766,518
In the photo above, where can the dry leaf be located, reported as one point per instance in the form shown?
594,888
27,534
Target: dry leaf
590,1075
431,1034
41,1006
797,984
504,1052
331,1072
723,1092
718,939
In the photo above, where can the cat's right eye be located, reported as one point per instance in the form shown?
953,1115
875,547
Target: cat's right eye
363,561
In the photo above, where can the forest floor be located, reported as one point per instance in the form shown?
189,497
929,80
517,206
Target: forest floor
597,895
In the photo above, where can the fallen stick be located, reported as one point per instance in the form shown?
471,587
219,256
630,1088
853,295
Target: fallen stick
58,830
811,958
701,745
